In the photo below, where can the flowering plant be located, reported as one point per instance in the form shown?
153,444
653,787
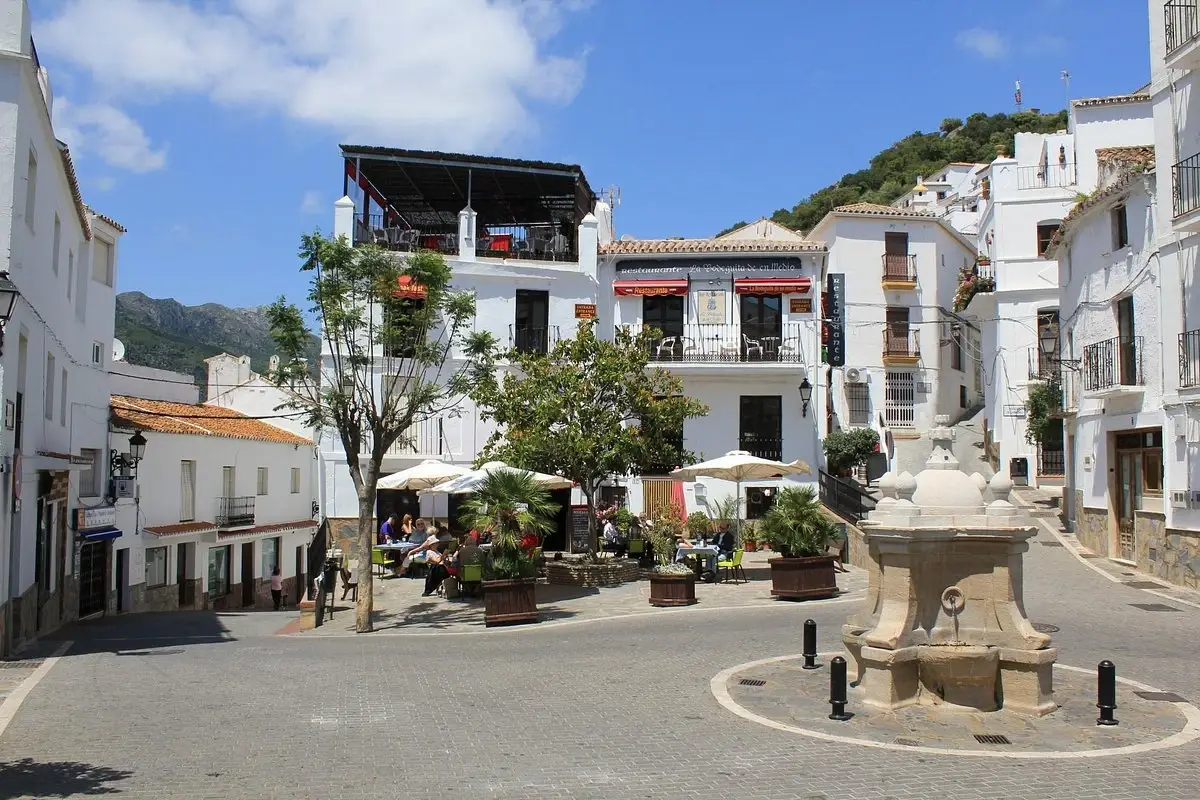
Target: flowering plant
971,283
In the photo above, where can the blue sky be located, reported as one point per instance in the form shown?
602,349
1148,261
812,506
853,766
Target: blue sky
211,130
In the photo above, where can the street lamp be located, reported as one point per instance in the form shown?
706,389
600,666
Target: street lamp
805,396
8,297
137,450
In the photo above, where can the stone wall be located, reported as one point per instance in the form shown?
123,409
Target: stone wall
858,554
1091,526
611,572
156,598
1168,553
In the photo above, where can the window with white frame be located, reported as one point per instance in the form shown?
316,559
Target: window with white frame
62,405
98,353
90,475
70,275
48,399
31,179
156,567
187,491
102,261
858,403
56,249
295,480
262,481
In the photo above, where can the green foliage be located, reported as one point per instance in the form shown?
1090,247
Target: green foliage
586,410
623,519
1043,413
664,529
895,170
518,512
971,283
698,525
725,513
845,450
796,526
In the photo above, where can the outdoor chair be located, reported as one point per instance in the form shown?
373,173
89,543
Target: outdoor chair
788,348
349,584
752,346
733,566
637,548
666,347
470,579
378,559
410,239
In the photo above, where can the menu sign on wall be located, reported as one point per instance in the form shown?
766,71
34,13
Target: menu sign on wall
835,288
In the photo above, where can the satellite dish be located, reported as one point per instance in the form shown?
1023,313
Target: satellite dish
118,350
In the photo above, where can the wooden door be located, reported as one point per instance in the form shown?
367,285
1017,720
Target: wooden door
895,256
1127,343
122,571
1129,487
248,574
896,342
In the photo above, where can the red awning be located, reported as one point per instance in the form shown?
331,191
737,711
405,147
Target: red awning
772,285
650,287
409,288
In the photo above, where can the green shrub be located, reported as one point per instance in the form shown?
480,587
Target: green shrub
845,450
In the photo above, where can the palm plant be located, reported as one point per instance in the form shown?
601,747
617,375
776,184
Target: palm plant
518,512
796,526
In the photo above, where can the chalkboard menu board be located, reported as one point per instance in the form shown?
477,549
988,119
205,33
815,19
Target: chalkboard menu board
581,540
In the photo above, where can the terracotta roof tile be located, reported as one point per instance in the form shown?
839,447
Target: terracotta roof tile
80,208
1117,187
180,529
196,420
875,209
1112,100
1139,154
106,218
271,528
651,246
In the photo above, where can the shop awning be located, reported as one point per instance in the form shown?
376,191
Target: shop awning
101,534
409,288
650,288
772,285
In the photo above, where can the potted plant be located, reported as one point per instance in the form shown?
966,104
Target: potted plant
518,512
699,526
799,530
671,584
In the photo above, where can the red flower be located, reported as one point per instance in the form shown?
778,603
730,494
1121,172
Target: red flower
528,541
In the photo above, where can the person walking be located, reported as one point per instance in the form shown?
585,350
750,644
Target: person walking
277,587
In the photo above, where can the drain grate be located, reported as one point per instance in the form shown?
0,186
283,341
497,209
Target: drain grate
1162,697
1153,607
1051,544
907,742
1143,585
31,663
991,738
753,682
1045,627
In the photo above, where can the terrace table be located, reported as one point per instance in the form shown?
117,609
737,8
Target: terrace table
702,553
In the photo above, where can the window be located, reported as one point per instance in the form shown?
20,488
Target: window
228,482
1045,232
962,396
57,246
270,556
48,400
402,328
858,403
156,567
956,350
941,195
187,491
896,333
899,392
531,333
31,179
262,481
102,262
895,256
295,480
89,476
98,353
70,274
62,404
761,426
1144,449
759,500
218,571
1120,227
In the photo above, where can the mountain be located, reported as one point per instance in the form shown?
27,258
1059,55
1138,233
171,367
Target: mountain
895,169
169,335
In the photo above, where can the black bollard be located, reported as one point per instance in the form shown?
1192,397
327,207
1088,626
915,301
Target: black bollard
837,689
1106,693
810,644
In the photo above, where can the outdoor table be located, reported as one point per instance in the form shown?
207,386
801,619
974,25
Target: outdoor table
770,346
701,552
402,548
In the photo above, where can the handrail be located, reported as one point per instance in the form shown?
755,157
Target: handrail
844,497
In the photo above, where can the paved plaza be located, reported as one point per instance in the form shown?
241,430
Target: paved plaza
596,702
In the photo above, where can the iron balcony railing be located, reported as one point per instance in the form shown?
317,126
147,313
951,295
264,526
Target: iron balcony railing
900,267
1046,176
424,438
235,512
1051,461
1189,359
1113,362
844,497
1185,186
1043,366
901,342
532,340
1181,24
529,242
768,447
734,343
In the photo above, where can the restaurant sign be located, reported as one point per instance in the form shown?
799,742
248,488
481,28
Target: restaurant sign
585,311
87,519
835,318
800,305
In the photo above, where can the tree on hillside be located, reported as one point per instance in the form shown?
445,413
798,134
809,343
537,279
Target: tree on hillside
387,326
587,410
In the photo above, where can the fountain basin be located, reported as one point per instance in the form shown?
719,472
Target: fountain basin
959,677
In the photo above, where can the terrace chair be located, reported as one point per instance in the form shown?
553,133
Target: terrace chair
751,346
483,245
378,560
470,579
409,239
667,347
349,584
732,566
521,248
729,349
637,548
379,235
788,348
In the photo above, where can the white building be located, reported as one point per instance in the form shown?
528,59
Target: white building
952,193
62,257
907,358
1026,197
215,504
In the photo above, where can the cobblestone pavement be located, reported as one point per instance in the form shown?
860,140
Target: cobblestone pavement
217,706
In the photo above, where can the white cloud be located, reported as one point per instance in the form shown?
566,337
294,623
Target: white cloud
109,133
104,184
311,202
451,74
983,42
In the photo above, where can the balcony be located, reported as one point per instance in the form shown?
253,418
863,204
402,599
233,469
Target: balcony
532,340
728,344
526,242
426,439
1043,367
1113,366
1185,193
768,447
1181,24
899,271
1189,359
1051,461
235,512
901,347
1046,176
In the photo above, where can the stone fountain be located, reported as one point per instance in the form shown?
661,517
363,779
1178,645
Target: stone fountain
944,623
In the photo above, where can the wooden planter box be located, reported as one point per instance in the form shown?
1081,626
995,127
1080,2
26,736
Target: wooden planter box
803,578
510,602
668,591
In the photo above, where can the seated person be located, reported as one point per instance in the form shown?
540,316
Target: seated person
436,559
612,538
725,542
419,533
388,531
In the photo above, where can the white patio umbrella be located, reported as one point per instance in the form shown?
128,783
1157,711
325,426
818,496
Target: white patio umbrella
739,465
425,475
471,481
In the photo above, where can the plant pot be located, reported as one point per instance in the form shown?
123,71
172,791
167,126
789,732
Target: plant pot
668,591
510,602
749,545
803,578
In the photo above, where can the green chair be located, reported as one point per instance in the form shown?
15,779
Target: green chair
733,566
470,578
378,559
637,547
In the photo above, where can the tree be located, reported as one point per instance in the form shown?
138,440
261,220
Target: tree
1043,413
586,410
518,512
845,450
387,326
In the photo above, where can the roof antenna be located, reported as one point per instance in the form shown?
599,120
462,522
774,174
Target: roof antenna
1017,97
1066,79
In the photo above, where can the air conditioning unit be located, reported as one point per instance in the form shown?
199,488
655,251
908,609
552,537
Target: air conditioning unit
123,487
856,375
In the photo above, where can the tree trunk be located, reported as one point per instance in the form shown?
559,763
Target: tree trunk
589,496
366,536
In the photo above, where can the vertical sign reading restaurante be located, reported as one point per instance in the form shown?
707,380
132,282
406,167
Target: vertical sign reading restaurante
836,289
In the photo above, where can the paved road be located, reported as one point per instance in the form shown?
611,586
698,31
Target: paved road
218,707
